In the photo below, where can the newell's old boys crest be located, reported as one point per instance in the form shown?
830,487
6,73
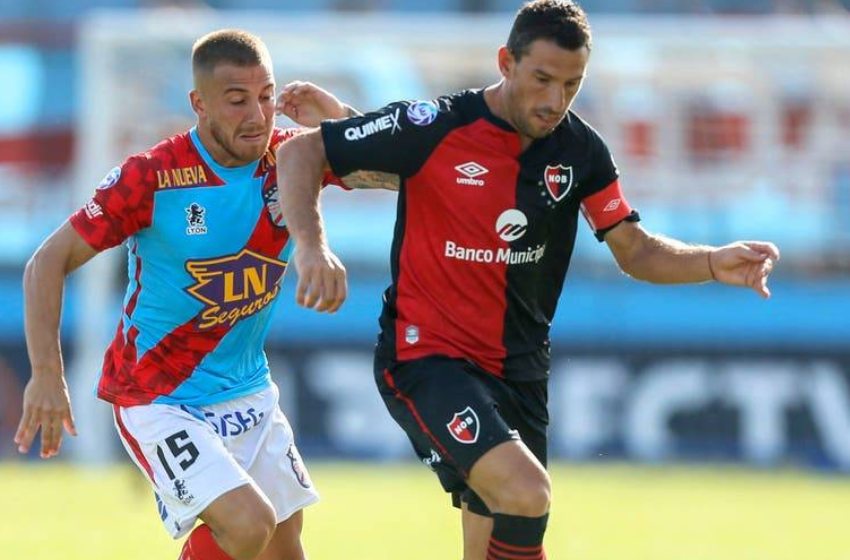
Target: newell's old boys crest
464,426
559,180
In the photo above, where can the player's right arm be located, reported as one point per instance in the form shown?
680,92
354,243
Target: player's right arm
121,206
392,141
47,405
301,163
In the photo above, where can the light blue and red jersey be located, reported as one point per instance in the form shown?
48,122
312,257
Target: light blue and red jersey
207,254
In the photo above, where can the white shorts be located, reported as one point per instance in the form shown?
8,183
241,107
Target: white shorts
194,455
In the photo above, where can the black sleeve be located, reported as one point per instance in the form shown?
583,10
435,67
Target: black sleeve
397,138
603,170
603,203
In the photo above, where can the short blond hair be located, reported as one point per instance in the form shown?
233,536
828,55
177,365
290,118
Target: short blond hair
232,46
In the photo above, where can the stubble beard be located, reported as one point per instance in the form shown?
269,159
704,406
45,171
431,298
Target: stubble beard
231,149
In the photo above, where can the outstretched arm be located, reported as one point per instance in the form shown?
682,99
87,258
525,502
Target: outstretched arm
301,162
46,402
662,260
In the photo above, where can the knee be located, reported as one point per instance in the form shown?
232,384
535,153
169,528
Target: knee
527,495
247,533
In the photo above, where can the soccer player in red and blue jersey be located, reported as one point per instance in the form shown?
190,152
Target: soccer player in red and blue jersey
492,183
194,403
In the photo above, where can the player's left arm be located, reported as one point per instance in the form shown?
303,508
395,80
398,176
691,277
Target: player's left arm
662,260
308,105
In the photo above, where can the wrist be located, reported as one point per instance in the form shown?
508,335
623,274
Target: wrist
711,265
311,245
45,372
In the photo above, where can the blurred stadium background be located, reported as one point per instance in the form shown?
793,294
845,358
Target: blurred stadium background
729,119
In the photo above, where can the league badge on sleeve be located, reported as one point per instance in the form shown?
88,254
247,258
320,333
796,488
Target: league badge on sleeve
464,426
422,113
110,179
558,180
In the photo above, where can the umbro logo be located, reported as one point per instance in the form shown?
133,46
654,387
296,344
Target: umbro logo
470,170
611,206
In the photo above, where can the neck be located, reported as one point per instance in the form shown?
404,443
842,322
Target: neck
495,96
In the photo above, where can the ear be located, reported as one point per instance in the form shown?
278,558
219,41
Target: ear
506,61
197,103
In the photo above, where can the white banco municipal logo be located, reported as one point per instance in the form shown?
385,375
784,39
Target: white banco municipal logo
511,225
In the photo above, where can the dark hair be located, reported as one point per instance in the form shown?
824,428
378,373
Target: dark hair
233,46
561,21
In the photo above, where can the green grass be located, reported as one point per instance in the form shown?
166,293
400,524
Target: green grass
376,512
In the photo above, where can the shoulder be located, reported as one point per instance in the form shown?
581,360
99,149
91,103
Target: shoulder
575,128
144,167
581,138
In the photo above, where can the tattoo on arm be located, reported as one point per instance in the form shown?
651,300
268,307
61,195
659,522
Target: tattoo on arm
372,180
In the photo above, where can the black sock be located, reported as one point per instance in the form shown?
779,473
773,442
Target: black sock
515,537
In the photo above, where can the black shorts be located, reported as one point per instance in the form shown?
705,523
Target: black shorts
454,412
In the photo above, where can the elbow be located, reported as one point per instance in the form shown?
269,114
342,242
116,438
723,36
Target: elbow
33,268
46,264
630,266
307,149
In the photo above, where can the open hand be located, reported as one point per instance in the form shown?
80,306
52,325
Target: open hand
308,105
745,263
46,406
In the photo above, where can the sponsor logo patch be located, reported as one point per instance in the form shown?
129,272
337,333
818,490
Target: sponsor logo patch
511,225
471,171
502,255
234,287
93,210
181,177
374,126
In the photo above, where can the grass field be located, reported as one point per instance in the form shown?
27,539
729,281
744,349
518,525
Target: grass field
377,512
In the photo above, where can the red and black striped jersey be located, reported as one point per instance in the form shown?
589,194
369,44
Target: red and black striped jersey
485,230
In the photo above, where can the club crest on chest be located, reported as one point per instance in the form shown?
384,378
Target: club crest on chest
558,180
